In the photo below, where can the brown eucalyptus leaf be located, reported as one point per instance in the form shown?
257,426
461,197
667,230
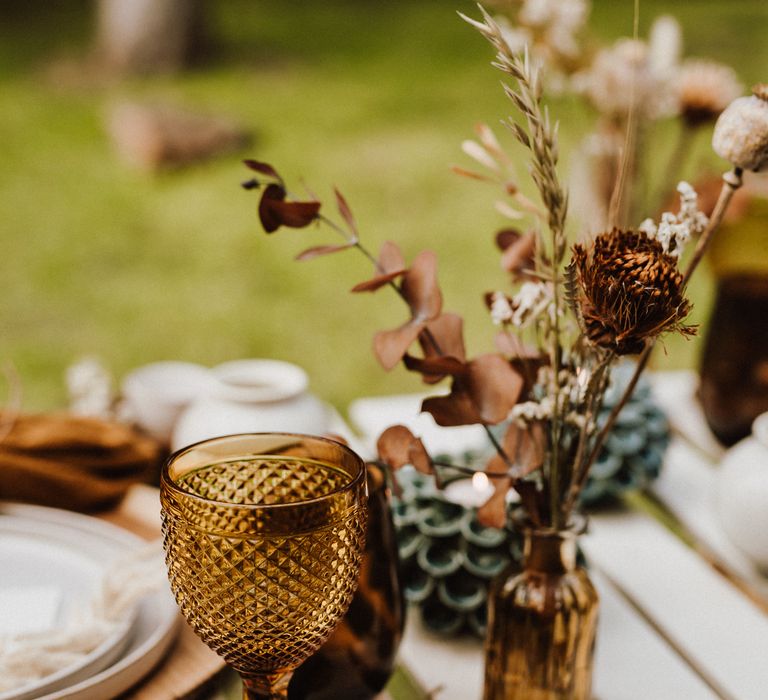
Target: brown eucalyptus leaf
519,256
263,168
317,251
434,368
295,214
378,282
397,446
447,330
420,458
391,258
393,446
275,212
420,288
525,447
269,220
510,344
452,410
493,513
506,237
345,211
390,346
493,386
496,465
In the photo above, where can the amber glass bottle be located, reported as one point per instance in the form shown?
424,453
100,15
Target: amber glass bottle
542,623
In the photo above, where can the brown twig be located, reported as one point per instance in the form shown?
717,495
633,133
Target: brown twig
732,181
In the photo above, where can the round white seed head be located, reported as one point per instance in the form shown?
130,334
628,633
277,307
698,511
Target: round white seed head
741,132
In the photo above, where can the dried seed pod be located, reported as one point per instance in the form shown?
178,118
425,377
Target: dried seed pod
741,132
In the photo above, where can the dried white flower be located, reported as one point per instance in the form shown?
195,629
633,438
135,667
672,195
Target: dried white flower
648,227
528,304
689,207
622,79
549,29
665,45
705,89
675,230
501,309
577,419
557,21
741,132
530,411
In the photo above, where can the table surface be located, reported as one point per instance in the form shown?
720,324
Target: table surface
683,613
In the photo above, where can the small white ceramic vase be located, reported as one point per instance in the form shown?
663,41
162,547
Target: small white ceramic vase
252,396
742,496
154,395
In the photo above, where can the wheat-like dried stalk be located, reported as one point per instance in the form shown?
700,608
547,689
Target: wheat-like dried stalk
539,135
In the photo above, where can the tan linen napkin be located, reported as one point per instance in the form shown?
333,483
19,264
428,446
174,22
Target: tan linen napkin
73,462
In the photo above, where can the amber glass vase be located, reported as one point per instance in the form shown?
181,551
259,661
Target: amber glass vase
542,622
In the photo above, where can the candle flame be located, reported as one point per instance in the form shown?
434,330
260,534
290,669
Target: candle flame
479,481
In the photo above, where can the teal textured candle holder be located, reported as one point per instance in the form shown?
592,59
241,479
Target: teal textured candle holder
449,558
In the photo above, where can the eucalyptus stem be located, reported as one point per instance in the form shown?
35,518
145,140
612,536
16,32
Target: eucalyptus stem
427,333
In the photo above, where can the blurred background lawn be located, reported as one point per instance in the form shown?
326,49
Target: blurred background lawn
372,97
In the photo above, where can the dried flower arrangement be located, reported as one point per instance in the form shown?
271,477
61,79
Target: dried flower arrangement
571,316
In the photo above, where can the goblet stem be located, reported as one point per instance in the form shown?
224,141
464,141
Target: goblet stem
267,686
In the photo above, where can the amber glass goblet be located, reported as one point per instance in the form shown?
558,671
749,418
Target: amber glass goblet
263,537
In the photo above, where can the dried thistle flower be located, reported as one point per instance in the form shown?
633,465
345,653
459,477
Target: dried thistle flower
741,132
631,291
706,88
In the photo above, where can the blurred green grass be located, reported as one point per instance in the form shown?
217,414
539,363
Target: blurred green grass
372,97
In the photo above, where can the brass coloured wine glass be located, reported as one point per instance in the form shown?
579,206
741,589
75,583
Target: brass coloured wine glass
263,535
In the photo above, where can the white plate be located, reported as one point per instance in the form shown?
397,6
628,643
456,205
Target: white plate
153,633
72,551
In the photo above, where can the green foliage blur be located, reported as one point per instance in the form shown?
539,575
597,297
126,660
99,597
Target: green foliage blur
372,97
